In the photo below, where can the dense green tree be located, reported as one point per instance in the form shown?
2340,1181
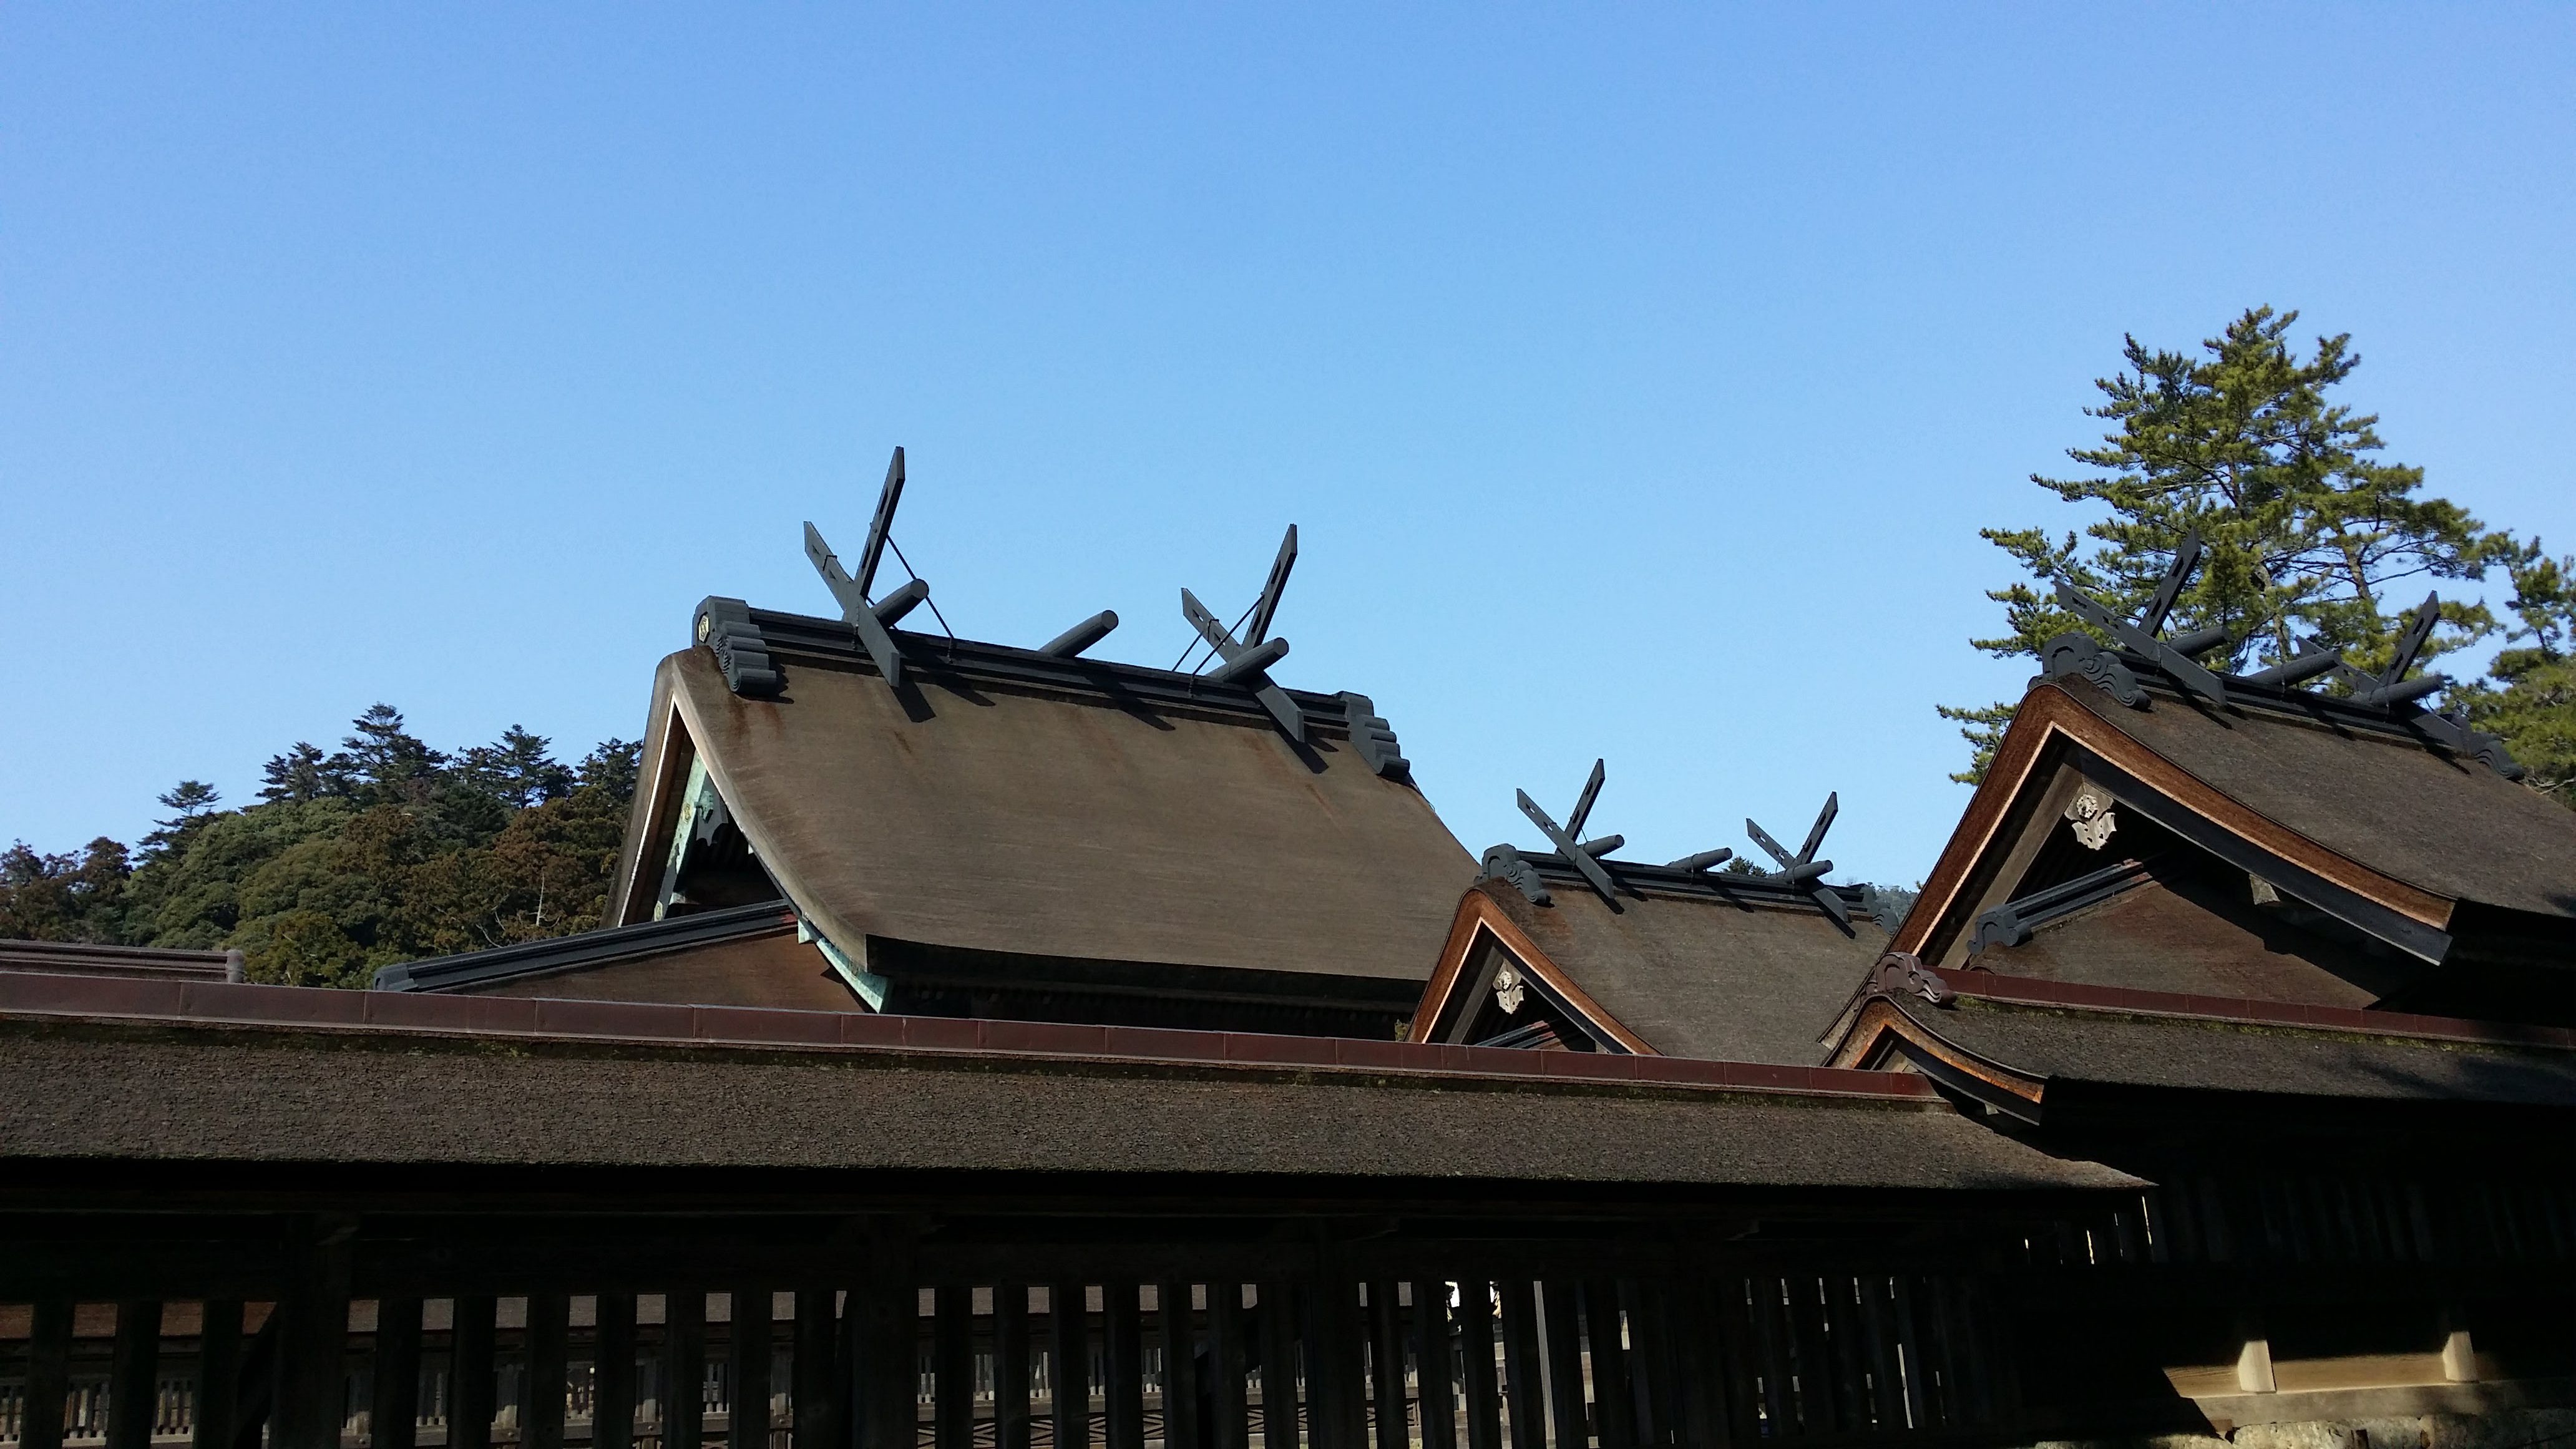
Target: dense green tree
385,851
2529,697
2309,536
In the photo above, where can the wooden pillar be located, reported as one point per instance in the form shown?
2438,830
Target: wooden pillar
470,1382
133,1383
1522,1380
817,1397
313,1342
1393,1419
1431,1364
218,1373
2459,1353
953,1367
1069,1358
684,1369
1278,1363
1565,1402
393,1418
748,1351
612,1372
49,1376
1226,1365
1481,1390
1610,1384
541,1405
885,1382
1124,1359
1011,1366
1180,1365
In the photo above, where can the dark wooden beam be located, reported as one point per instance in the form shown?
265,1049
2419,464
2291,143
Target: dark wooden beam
133,1382
953,1367
393,1418
748,1351
49,1375
470,1376
1181,1388
818,1402
541,1397
1069,1363
1434,1370
612,1372
218,1373
1521,1377
1124,1340
684,1369
1011,1359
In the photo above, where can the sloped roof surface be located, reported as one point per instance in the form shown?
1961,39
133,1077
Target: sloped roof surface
1050,823
1724,979
2142,1051
2172,936
279,1097
2452,827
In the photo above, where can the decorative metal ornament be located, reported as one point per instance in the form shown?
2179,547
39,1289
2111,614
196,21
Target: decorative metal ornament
2090,811
1508,987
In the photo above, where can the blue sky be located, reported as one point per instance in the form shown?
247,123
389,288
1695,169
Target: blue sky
1638,376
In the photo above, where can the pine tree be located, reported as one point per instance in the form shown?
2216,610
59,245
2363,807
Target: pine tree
2530,697
303,773
194,800
517,769
2307,533
385,760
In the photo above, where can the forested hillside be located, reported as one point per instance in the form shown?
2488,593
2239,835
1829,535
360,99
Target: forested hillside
384,850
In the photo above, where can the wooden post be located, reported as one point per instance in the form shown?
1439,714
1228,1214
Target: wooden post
1522,1378
953,1366
817,1402
133,1383
469,1375
1432,1368
1278,1365
1483,1393
393,1419
887,1380
612,1372
49,1376
1180,1366
2459,1353
684,1369
1011,1366
748,1350
1124,1355
1611,1393
1386,1366
1564,1363
1069,1371
541,1402
313,1342
1226,1364
1336,1358
218,1373
2253,1355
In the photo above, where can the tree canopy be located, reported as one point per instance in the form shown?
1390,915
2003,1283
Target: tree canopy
385,850
2311,538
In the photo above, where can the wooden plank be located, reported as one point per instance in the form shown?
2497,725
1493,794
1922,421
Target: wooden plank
1124,1363
952,1365
1886,1403
1913,1377
1956,1410
1613,1391
1011,1426
1279,1416
1697,1364
1336,1330
1182,1391
1069,1363
218,1373
1476,1344
747,1353
684,1369
1227,1328
49,1376
1522,1379
1433,1368
133,1376
612,1372
470,1376
814,1387
1650,1372
393,1416
312,1350
1388,1411
1811,1367
1851,1375
1770,1323
541,1401
1565,1400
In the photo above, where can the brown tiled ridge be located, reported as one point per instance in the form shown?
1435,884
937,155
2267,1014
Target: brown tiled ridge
2030,991
196,1003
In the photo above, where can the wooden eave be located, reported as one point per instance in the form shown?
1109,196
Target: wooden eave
1478,920
1885,1035
2048,726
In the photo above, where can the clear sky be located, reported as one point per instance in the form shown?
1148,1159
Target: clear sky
1638,376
